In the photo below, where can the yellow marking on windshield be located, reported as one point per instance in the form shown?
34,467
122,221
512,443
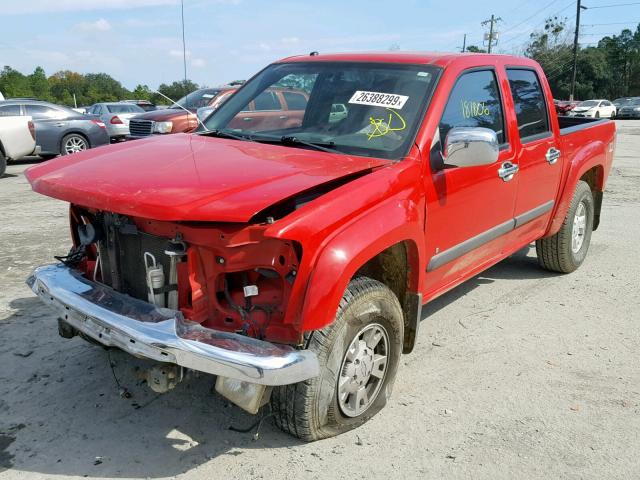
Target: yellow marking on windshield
380,128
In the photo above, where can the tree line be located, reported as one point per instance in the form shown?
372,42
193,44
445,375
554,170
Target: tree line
89,88
610,69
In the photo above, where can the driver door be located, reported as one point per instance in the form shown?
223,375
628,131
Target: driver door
469,209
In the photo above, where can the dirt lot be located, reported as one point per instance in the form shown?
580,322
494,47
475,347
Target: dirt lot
518,374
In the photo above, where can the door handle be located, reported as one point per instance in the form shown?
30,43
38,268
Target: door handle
552,156
283,117
59,124
247,119
507,170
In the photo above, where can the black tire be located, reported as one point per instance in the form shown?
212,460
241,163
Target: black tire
73,138
556,253
310,410
3,164
597,115
48,156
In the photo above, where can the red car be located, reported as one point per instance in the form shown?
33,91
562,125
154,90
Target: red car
292,260
563,107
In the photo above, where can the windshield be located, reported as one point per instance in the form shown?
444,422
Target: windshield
355,108
197,99
124,108
635,101
589,103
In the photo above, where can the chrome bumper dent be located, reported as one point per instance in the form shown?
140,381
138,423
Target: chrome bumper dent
161,334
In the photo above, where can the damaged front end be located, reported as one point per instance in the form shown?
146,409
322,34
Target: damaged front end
207,297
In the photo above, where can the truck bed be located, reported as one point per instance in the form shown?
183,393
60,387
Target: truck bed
572,124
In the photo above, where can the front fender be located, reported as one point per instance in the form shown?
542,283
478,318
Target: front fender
394,221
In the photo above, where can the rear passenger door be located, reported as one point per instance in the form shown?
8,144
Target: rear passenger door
539,156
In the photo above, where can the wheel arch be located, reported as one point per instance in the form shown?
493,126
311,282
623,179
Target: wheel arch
72,132
588,164
389,251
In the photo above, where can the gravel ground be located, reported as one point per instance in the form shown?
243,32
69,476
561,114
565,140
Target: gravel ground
518,373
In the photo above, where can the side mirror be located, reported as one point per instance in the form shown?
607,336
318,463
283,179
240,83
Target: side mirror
204,112
470,147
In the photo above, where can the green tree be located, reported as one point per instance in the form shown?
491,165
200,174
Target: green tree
14,84
39,84
475,49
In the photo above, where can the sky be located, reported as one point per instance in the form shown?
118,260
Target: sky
140,41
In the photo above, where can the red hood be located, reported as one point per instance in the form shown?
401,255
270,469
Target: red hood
189,177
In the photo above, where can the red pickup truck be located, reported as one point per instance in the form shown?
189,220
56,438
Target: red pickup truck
292,262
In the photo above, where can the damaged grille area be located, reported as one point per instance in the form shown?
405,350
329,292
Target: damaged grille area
122,252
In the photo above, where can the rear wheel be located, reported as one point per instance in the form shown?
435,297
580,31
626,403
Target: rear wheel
566,250
359,355
73,143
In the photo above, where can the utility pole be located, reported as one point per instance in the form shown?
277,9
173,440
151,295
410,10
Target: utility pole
184,46
575,49
464,43
492,36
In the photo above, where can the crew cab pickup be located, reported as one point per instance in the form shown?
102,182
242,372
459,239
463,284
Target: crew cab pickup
17,138
292,262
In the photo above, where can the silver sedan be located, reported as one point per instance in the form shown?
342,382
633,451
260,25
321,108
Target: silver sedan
116,116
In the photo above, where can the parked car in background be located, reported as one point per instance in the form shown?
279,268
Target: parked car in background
631,109
146,105
60,130
563,107
594,109
116,117
181,116
621,102
17,137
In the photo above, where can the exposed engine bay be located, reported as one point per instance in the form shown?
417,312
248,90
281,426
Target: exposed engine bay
227,277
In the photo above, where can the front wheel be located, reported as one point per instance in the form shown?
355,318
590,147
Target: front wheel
359,355
73,143
566,250
597,115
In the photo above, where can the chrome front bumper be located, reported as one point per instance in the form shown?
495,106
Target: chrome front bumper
144,330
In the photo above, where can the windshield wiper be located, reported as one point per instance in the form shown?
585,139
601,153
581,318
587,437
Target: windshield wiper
325,147
226,134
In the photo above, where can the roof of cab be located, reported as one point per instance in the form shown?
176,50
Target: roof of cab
440,59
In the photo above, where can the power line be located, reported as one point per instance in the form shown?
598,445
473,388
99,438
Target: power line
615,5
614,23
530,17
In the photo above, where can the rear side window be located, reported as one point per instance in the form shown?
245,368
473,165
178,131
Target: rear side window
531,108
295,101
9,110
41,111
474,102
267,101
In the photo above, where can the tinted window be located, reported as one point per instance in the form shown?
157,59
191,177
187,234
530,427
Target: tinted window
474,102
42,111
9,110
267,101
529,101
125,108
295,101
